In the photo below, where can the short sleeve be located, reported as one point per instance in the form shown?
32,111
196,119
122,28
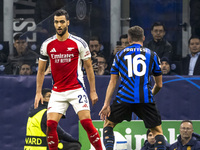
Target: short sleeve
156,66
84,50
115,65
43,51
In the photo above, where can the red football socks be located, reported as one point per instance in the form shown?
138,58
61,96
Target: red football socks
92,133
52,136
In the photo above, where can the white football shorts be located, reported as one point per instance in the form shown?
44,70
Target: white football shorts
59,101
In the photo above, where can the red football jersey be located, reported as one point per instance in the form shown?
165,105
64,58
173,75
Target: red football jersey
65,58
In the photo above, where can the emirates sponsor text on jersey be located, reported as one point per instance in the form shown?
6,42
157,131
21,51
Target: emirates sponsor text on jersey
62,58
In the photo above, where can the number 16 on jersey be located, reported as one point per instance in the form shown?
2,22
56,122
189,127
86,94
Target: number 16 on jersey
133,62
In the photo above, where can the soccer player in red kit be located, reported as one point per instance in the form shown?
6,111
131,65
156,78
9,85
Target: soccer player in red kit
66,53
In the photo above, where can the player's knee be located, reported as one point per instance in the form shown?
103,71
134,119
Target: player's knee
84,114
108,123
157,131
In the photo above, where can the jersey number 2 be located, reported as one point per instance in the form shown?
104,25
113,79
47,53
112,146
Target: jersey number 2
132,64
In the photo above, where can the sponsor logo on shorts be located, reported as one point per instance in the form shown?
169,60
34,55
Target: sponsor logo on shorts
85,106
49,108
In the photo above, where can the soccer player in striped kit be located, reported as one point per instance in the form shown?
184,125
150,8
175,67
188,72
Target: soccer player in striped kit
66,53
135,64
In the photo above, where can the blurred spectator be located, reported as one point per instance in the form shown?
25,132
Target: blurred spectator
95,47
124,40
95,44
165,66
2,69
25,69
158,44
187,140
121,44
93,55
4,52
21,54
100,66
149,143
195,17
191,63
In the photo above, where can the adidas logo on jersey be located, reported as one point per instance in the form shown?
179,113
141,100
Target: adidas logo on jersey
48,108
53,50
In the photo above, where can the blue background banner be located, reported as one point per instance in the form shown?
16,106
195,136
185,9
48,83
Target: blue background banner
178,100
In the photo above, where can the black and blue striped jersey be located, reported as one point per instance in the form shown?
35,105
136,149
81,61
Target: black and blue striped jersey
135,64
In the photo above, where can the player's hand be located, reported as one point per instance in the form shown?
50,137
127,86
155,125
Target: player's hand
38,97
101,70
117,49
95,67
93,97
105,112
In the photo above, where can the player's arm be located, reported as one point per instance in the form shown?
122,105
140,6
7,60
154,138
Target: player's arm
91,78
157,85
105,111
157,75
39,82
111,88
